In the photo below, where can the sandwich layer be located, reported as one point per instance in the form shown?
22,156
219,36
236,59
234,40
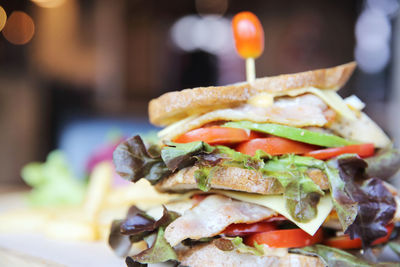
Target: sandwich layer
174,106
233,178
301,111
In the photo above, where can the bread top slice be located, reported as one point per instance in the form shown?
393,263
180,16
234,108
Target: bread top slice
174,106
233,178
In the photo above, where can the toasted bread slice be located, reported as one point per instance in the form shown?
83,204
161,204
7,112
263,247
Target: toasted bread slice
174,106
233,178
210,255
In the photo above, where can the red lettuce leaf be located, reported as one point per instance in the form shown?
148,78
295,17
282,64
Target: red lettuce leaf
368,203
384,165
134,161
136,221
136,227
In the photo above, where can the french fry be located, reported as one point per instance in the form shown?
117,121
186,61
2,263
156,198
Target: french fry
72,230
99,185
140,192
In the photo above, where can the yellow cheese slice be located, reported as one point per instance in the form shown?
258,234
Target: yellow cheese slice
277,203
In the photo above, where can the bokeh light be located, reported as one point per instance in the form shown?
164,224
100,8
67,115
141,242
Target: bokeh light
373,35
3,18
19,28
48,3
209,33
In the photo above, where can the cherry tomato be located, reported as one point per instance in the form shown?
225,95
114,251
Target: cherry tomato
363,150
248,34
344,241
244,229
291,238
274,146
214,135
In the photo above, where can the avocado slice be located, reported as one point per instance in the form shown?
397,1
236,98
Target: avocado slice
293,133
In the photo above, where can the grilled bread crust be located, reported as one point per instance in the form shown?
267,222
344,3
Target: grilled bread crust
174,106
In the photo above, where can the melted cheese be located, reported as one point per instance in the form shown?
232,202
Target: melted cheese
262,100
277,203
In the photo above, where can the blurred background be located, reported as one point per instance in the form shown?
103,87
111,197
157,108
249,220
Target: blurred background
75,73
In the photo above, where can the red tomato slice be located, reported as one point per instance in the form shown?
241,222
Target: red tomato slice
274,146
214,135
291,238
199,197
244,229
363,150
344,241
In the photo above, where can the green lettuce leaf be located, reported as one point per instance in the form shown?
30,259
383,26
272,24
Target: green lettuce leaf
332,256
301,193
134,161
52,182
160,251
203,177
232,158
230,244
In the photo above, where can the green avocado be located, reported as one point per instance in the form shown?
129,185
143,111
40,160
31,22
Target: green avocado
293,133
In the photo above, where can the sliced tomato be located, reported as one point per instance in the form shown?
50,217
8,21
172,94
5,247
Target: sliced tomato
214,135
290,238
274,146
344,241
363,150
244,229
199,197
